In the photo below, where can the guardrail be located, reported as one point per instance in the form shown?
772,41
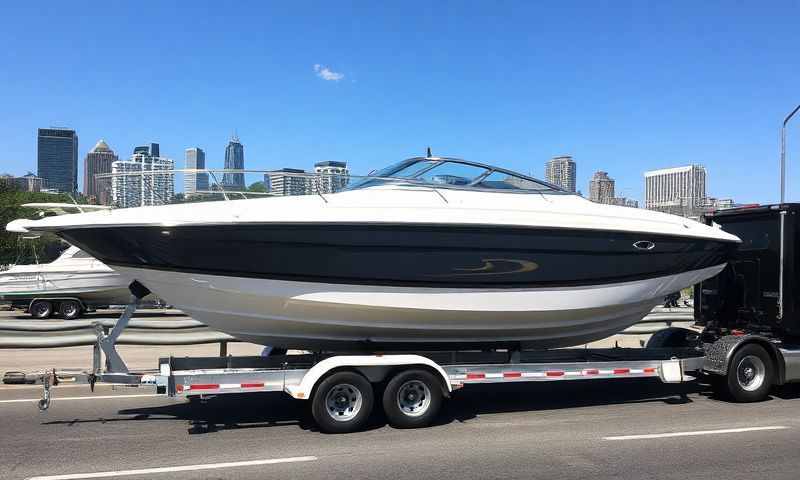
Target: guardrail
186,331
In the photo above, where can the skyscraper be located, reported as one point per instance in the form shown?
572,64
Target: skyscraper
195,182
332,176
98,161
601,188
679,190
234,159
57,155
562,171
139,181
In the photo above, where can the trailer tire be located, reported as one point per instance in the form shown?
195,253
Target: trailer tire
412,399
342,403
751,374
41,309
70,309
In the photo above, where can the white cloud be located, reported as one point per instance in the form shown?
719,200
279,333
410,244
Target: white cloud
326,73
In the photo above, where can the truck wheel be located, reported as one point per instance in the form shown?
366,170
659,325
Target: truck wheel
41,309
70,309
342,403
750,374
412,399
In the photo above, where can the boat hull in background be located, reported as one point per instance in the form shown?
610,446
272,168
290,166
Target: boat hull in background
312,315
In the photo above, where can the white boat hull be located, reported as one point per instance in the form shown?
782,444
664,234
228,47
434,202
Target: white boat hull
336,316
93,287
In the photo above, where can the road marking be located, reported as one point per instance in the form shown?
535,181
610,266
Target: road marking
695,433
182,468
97,397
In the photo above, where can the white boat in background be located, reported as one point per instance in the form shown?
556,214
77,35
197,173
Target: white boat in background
73,275
428,253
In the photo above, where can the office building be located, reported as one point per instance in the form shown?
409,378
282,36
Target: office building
139,181
601,188
332,176
625,202
680,190
234,159
25,183
289,181
97,162
195,182
562,171
57,158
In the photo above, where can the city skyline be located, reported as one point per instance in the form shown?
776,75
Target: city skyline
659,92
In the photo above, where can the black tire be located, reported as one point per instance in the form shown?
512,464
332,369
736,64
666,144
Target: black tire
751,374
412,399
41,309
70,309
342,403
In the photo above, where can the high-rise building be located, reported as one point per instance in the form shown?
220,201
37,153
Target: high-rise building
234,159
679,190
289,181
57,156
562,171
139,181
601,188
332,176
98,161
195,182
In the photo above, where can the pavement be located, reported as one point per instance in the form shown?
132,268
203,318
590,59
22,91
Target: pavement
624,429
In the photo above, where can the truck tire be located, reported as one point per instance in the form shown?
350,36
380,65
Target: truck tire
751,374
342,403
70,309
412,399
41,309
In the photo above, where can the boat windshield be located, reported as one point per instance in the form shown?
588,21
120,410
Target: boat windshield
454,173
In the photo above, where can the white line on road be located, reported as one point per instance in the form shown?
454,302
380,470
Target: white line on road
182,468
695,433
97,397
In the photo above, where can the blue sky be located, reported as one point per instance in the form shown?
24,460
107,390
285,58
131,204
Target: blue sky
622,86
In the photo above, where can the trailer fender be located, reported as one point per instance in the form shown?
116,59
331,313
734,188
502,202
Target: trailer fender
360,362
719,354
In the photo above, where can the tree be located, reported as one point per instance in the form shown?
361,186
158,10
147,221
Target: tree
257,187
14,248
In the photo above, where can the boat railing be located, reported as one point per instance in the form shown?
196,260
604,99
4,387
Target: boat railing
168,186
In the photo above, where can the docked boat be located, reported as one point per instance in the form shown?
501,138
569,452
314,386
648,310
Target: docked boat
431,252
74,275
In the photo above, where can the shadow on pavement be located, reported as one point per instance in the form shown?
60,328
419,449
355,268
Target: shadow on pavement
261,410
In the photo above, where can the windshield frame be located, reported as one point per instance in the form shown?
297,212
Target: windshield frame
386,175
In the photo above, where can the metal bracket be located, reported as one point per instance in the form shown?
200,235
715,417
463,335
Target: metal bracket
108,343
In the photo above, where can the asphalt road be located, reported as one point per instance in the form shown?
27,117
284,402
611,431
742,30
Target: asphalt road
556,430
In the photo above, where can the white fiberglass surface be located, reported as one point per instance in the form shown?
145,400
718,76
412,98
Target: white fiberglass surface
405,204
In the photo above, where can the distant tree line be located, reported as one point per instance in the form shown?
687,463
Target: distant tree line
14,249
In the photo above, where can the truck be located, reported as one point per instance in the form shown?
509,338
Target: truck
748,342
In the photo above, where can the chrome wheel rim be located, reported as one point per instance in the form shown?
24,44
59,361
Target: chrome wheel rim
343,402
751,372
414,398
70,310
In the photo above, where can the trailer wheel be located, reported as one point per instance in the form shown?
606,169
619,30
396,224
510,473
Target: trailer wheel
412,399
751,374
342,403
70,309
41,309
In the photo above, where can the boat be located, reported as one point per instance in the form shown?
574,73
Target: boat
73,275
431,252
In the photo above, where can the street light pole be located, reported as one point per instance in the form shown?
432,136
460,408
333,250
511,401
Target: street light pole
783,152
783,212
